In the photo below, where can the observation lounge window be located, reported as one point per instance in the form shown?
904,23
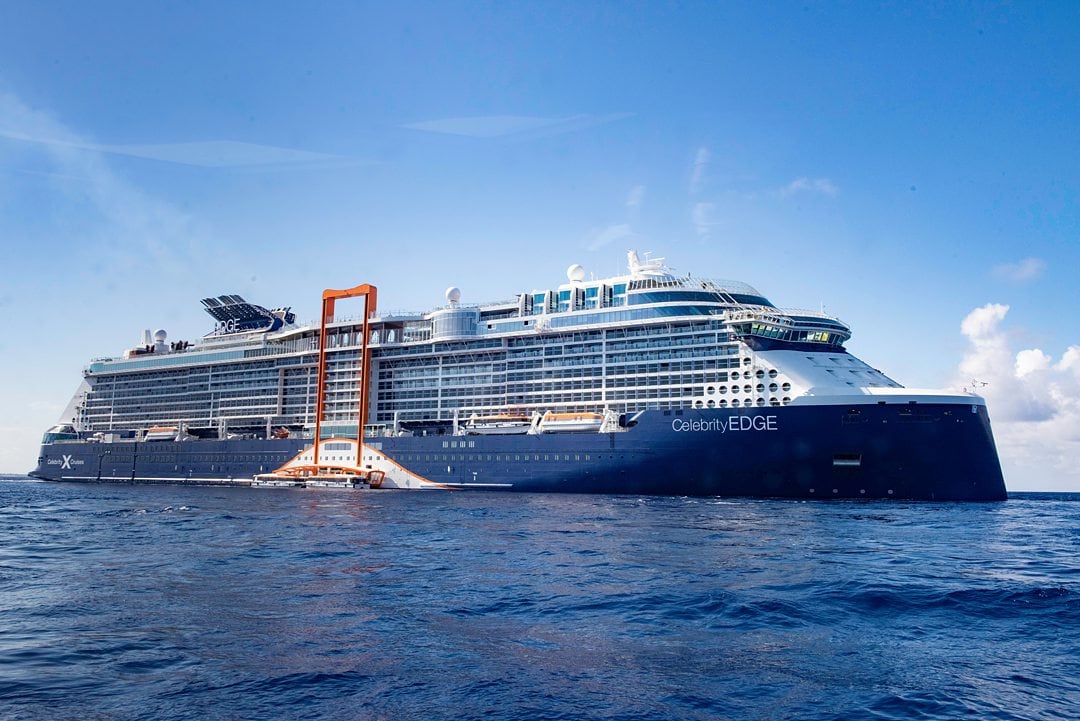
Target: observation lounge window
592,297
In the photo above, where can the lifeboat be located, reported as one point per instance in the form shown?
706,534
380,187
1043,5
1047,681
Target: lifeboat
161,433
571,422
502,424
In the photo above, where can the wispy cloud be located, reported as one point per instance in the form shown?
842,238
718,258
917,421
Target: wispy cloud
702,216
810,185
599,238
518,126
127,227
207,153
1021,271
1033,399
697,173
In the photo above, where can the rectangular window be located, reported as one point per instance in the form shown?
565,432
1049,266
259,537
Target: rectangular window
847,460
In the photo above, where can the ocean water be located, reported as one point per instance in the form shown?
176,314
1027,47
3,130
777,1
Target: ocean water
156,602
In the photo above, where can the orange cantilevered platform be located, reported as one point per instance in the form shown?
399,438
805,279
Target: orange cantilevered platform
329,297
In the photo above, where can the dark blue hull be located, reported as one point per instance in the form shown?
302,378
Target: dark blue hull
932,451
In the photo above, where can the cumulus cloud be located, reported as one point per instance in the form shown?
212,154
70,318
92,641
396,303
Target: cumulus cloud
981,325
1034,402
810,185
1070,360
1031,361
1021,271
701,164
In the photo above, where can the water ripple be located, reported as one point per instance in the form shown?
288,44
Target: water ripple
193,603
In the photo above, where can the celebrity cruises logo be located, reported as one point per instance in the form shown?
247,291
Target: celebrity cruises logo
68,462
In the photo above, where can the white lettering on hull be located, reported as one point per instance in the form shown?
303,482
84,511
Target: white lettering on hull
65,462
733,423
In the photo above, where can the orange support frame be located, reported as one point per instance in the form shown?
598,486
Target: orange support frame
329,297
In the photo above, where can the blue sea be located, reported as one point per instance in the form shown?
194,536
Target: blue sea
159,602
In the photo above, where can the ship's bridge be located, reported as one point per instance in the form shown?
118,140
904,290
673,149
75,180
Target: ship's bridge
767,327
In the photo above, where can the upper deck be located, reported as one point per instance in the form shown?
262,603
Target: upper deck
648,293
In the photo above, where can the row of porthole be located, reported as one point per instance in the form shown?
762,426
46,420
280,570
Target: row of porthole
713,390
758,374
736,403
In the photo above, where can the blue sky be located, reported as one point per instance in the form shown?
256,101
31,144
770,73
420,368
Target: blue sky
908,166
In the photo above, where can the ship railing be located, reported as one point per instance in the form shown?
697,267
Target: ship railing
716,285
507,303
778,316
775,316
810,314
415,314
721,285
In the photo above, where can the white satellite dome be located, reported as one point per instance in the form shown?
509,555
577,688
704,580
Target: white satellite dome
160,335
453,294
575,273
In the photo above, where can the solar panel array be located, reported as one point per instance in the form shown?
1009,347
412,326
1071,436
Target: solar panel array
234,307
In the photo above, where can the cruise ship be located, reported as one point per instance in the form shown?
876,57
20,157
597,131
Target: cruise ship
650,382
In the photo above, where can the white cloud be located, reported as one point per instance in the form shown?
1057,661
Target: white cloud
1031,361
1070,360
701,164
1034,403
1021,271
599,238
811,185
101,247
596,239
125,226
702,216
207,153
980,325
500,126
